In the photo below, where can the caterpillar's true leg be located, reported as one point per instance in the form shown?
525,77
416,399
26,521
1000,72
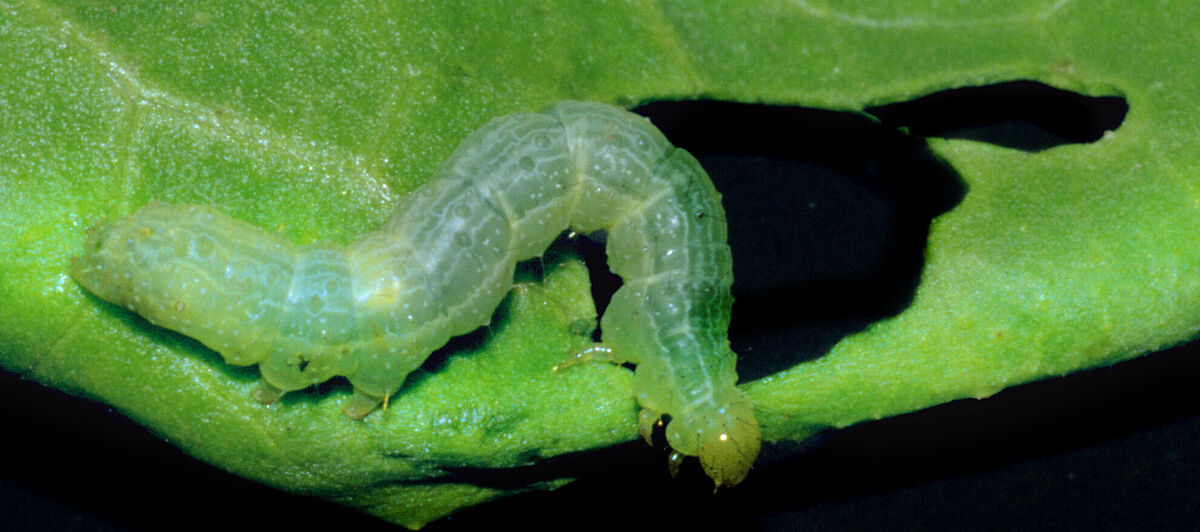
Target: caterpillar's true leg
595,353
674,462
265,393
647,420
361,404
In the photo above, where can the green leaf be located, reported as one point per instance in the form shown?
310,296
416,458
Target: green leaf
315,118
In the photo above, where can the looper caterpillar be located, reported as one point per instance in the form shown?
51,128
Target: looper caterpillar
373,311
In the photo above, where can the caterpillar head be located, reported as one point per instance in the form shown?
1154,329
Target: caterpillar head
726,440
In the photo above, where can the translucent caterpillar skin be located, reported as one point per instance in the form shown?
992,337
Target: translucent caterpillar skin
373,311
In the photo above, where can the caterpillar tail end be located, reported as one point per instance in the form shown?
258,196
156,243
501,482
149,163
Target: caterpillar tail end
105,254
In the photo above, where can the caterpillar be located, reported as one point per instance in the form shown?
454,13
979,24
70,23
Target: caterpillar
373,310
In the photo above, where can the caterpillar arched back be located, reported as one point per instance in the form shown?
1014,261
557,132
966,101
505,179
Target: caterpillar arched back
373,311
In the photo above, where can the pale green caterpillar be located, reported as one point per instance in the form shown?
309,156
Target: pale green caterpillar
373,311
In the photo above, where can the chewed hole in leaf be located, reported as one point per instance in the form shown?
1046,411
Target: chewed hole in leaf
1020,114
828,216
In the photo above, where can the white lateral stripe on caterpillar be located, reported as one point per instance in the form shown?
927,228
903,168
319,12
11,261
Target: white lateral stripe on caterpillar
373,311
